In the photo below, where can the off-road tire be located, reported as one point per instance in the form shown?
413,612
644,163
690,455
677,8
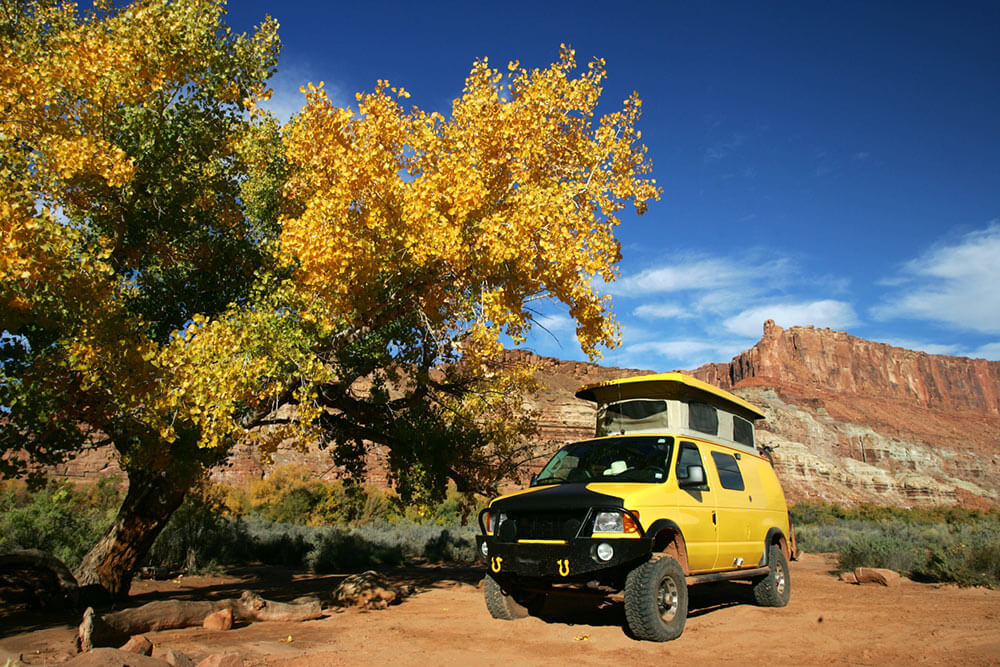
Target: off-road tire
775,589
500,603
656,600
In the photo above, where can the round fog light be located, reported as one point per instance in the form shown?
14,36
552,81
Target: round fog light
485,549
605,551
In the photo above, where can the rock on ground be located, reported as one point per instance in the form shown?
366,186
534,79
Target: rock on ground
876,575
369,590
175,658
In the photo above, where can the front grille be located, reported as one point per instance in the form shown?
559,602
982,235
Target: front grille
545,525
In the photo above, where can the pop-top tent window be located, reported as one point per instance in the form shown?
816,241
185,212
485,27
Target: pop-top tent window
632,415
703,417
742,431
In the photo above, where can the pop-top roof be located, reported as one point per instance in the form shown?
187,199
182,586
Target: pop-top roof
666,385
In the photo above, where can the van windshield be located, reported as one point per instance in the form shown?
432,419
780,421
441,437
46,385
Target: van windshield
617,459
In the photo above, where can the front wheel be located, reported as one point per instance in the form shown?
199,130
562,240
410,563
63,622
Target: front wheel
656,600
500,603
775,589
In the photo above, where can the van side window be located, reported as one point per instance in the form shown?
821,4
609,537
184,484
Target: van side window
742,431
729,471
688,455
703,417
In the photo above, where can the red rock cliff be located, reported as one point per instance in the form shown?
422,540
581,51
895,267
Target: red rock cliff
825,361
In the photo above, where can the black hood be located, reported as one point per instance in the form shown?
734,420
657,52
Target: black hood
556,497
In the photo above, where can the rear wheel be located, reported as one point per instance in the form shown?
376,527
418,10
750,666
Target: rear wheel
656,600
775,589
501,603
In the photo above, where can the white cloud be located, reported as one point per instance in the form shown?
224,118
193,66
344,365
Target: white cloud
288,100
674,348
701,273
990,351
921,346
956,284
678,353
555,323
660,311
824,313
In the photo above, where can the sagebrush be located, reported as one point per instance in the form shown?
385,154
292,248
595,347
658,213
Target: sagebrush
947,543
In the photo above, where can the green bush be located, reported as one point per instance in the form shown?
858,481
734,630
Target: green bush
878,550
950,544
61,519
291,494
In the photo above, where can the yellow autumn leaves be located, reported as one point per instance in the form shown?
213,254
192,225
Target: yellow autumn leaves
466,219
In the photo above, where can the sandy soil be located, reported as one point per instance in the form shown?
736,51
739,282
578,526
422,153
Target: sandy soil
446,623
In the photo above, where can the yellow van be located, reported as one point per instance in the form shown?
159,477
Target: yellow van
672,491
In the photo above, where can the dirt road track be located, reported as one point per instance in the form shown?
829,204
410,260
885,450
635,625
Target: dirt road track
446,623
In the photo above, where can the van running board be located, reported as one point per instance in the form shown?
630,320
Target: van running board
726,576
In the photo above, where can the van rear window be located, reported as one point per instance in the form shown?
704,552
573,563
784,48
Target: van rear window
729,471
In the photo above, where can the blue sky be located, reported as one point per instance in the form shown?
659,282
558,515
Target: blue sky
826,164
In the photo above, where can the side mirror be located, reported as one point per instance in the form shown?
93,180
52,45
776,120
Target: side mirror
695,477
534,478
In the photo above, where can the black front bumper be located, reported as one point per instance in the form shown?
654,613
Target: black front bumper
575,559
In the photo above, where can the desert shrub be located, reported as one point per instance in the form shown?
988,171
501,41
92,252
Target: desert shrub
950,544
878,550
970,558
199,535
820,513
340,550
290,494
450,547
60,518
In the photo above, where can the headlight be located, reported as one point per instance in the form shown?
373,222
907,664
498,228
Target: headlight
615,522
608,522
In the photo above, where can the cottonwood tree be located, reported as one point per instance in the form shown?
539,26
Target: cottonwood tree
178,274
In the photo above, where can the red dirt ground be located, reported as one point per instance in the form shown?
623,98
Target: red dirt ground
446,623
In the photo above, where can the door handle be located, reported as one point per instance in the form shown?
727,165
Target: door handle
713,518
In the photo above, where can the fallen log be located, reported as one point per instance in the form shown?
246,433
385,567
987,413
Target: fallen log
115,628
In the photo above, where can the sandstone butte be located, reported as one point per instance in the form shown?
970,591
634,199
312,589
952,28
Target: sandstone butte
849,420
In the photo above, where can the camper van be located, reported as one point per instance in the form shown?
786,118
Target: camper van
672,491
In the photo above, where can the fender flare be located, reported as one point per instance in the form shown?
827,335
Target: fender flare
661,526
774,536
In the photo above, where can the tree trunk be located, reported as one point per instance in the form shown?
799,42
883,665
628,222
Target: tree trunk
115,628
151,499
